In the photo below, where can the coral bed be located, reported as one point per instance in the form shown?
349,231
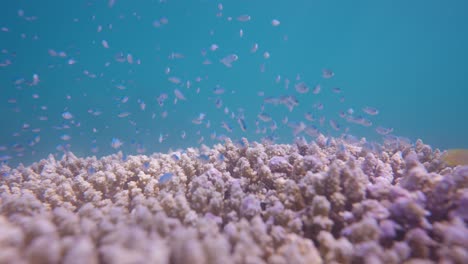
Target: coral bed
327,201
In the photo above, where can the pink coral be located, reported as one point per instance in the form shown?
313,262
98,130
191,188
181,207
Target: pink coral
327,201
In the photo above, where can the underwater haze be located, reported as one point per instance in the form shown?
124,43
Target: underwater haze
96,77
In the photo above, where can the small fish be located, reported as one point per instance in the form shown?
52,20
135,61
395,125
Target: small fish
455,157
226,126
120,57
334,125
365,122
286,84
199,119
301,88
254,48
67,115
243,18
264,117
297,127
309,116
4,158
213,135
311,131
52,52
35,79
229,59
124,99
161,138
275,22
289,101
116,143
278,78
242,124
336,90
218,90
359,120
370,110
120,87
105,44
204,157
94,149
123,114
218,103
201,139
95,112
273,126
271,100
161,98
262,67
65,137
142,105
317,89
214,47
327,73
165,177
18,147
130,58
318,106
179,95
175,157
140,149
175,80
175,55
383,131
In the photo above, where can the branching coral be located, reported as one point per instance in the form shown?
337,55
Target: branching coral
327,201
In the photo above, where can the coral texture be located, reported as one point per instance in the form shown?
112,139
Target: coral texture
324,201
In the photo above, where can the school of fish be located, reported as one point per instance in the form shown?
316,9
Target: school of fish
180,90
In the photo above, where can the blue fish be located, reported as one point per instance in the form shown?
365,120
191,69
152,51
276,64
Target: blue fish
204,157
175,157
165,177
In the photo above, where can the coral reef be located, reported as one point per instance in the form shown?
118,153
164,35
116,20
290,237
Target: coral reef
325,201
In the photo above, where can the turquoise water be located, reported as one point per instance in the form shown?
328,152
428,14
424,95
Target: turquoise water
405,58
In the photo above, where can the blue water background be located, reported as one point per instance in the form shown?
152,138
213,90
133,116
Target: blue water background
406,58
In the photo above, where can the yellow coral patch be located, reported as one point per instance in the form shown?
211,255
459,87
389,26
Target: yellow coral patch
455,157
